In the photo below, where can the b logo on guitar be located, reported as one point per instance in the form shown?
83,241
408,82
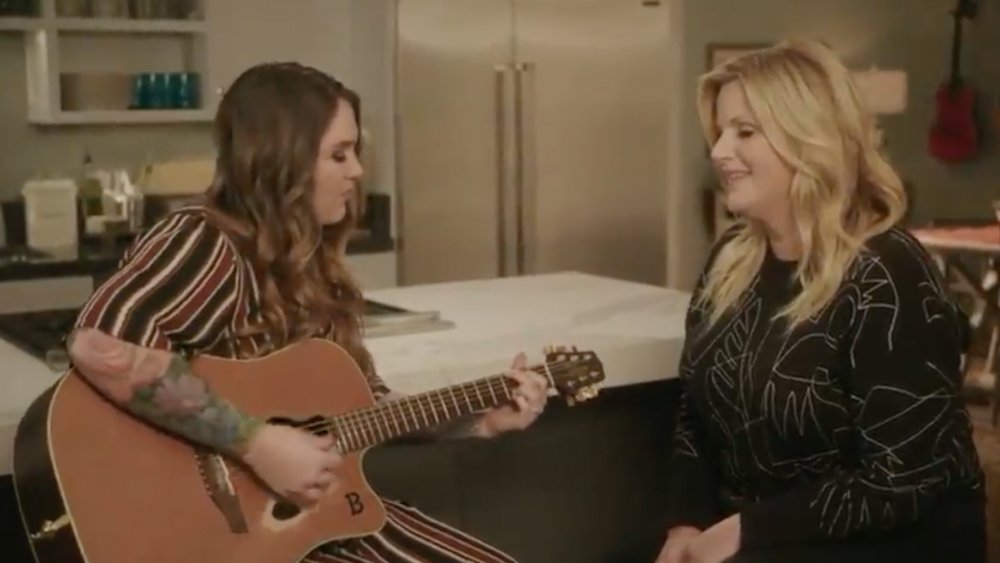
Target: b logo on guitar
355,504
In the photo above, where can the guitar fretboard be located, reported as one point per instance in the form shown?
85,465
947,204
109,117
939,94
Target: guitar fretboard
376,424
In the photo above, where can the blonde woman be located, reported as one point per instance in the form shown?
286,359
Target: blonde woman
820,418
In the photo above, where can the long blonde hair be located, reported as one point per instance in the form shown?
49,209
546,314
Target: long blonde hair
843,189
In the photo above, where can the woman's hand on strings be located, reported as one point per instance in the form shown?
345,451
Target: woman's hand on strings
529,398
294,463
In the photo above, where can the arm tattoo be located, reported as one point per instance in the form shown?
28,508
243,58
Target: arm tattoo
181,402
158,387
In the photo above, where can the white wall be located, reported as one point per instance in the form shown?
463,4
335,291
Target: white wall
350,39
371,51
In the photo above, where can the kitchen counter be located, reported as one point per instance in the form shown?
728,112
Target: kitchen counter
94,259
605,457
23,378
637,331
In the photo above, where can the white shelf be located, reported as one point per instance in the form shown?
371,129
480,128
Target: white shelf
107,25
45,61
19,24
103,25
123,117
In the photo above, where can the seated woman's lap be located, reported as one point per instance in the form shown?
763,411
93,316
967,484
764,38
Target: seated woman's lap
882,552
920,545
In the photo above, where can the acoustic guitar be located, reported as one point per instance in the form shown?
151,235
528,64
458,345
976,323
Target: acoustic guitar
95,484
954,136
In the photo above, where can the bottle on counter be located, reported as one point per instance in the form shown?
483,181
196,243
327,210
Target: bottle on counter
91,197
3,230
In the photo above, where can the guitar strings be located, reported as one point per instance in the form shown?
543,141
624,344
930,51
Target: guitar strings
403,416
490,384
439,396
365,420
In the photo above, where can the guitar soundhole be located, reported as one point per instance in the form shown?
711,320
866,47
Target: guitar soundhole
314,424
284,510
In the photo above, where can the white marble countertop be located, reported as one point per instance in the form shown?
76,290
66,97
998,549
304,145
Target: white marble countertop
637,331
22,379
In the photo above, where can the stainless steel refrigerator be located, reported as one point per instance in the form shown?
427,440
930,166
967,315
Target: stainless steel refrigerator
531,138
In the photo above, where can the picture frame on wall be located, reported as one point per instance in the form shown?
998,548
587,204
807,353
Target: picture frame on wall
718,52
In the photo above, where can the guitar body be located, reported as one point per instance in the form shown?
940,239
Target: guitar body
953,134
96,485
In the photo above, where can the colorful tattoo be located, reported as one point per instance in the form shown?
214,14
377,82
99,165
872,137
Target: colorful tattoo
181,402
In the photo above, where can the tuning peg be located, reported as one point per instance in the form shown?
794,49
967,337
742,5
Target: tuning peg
584,394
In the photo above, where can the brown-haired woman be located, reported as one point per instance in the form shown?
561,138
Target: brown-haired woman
821,418
258,266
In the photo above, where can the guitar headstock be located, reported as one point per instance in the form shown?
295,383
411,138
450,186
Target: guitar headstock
575,373
966,9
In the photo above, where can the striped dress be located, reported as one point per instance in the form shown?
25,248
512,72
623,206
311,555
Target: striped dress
184,287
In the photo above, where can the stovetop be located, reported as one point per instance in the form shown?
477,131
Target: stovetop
43,333
21,255
40,333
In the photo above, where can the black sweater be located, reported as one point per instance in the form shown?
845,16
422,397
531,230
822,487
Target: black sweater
850,426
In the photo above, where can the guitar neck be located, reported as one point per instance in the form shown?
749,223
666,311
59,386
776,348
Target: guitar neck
963,9
383,422
956,51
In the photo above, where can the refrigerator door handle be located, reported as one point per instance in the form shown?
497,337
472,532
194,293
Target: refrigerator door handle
499,72
520,69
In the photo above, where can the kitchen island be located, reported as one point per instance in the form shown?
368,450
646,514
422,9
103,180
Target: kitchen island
537,493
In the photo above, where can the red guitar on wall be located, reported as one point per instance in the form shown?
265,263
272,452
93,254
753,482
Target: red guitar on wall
953,135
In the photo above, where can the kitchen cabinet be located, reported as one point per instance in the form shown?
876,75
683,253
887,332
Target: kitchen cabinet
570,475
221,40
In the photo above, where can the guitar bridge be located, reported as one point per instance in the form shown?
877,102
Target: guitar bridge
215,475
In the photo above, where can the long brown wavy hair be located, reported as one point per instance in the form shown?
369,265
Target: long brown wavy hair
267,132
